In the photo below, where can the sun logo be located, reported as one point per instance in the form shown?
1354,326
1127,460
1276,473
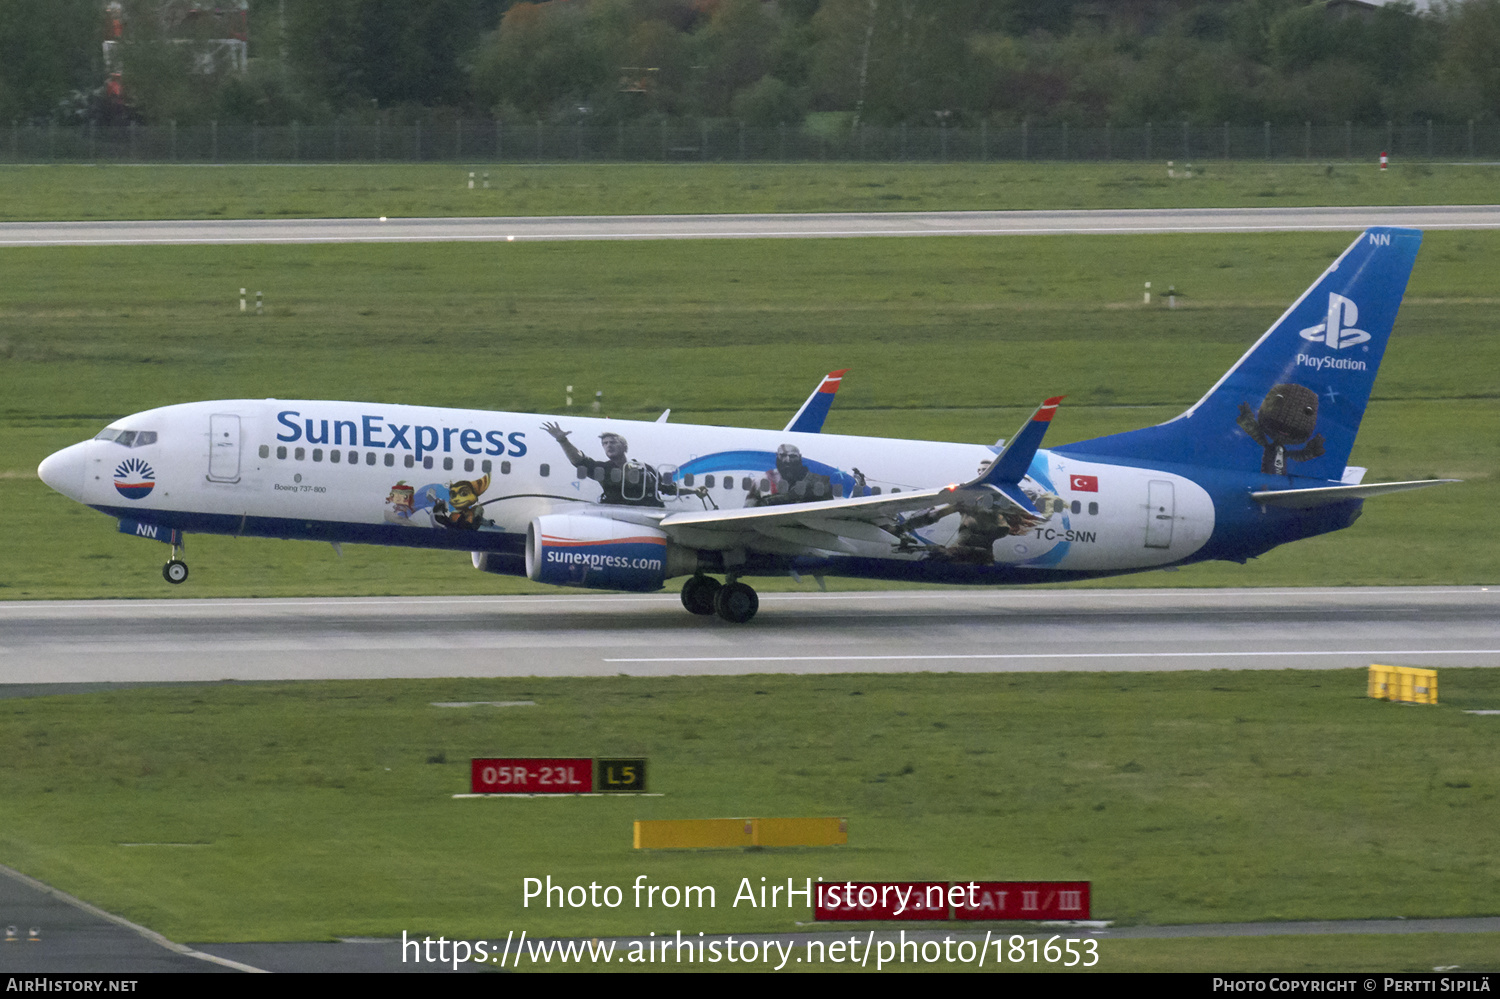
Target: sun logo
134,479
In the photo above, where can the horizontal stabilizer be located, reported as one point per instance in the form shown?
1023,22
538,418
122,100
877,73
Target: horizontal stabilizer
1303,499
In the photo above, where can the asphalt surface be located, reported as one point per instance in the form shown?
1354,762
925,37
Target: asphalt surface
418,230
164,641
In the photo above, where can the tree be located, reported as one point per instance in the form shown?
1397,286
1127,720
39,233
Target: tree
543,58
389,52
48,51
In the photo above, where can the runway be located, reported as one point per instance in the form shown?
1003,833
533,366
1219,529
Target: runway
1010,630
826,225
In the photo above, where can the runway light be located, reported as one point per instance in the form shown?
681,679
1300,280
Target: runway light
382,218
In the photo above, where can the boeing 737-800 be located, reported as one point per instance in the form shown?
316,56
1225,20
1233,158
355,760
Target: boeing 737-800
1259,461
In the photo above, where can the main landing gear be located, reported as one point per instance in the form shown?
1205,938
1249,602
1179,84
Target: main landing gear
176,570
733,601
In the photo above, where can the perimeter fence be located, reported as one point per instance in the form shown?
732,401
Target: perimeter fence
481,140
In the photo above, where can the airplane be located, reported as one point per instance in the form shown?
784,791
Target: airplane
809,419
1259,461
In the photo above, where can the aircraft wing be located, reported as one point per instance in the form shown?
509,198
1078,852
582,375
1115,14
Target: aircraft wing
1303,499
809,419
831,524
797,527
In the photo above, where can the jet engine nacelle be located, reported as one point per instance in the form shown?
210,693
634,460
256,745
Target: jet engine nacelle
578,550
500,563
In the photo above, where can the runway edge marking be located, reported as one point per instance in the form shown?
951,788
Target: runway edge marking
150,935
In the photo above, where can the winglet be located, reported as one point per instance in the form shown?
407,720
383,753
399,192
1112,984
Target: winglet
1011,464
809,419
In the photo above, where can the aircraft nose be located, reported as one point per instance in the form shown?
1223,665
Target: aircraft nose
63,471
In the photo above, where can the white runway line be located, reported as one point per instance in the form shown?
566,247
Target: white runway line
1062,655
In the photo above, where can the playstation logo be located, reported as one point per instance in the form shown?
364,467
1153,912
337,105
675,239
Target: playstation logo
1338,331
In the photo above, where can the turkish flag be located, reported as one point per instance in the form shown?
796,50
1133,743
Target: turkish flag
1083,483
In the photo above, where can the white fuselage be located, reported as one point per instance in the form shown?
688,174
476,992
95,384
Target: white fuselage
474,480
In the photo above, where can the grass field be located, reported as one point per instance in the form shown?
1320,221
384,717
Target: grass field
319,810
368,191
947,338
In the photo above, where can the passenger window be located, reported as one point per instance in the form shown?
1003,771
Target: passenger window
300,454
614,475
281,453
745,483
265,450
1077,507
546,470
708,481
687,480
505,468
583,471
765,485
369,457
317,454
874,490
1093,509
354,457
468,464
447,464
390,460
597,474
333,456
486,466
427,462
894,489
410,461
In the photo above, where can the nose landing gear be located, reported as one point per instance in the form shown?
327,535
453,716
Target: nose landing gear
176,570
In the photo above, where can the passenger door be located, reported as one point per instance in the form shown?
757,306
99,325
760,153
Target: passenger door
224,447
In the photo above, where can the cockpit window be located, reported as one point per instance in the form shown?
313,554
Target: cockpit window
127,438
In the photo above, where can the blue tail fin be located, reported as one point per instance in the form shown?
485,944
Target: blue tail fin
1293,403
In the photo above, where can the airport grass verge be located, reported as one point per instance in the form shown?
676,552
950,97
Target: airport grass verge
318,810
70,192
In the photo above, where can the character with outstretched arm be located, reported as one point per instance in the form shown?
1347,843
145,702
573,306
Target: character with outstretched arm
1288,415
622,482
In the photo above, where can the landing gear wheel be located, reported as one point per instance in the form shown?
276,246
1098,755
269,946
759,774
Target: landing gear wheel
698,594
174,572
736,603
